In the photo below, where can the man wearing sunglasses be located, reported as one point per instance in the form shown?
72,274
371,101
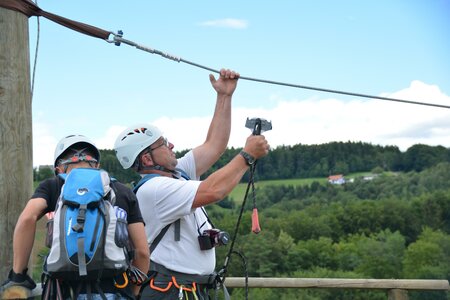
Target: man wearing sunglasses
172,198
74,151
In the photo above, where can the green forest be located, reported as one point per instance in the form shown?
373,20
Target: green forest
394,226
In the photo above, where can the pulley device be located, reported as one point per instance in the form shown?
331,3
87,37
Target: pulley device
258,126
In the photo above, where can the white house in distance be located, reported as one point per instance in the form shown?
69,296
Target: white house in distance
336,179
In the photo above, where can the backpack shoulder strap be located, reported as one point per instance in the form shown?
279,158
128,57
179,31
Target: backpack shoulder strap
177,234
183,174
153,175
159,237
177,223
144,180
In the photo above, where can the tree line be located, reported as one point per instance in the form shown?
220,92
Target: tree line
394,226
307,161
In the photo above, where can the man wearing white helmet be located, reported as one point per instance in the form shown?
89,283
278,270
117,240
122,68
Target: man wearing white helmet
172,197
74,151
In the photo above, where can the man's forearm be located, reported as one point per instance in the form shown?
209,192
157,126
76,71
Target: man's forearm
217,138
23,240
220,183
220,127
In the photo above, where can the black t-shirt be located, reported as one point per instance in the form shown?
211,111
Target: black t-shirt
50,190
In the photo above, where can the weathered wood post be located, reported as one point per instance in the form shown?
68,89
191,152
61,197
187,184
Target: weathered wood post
16,162
397,294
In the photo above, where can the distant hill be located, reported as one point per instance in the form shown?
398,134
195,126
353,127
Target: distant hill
308,161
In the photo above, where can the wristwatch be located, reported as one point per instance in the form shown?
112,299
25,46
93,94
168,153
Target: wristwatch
250,160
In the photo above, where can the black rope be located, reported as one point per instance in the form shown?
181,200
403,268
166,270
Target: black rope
223,271
244,264
118,40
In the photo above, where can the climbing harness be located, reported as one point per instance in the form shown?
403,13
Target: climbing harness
163,280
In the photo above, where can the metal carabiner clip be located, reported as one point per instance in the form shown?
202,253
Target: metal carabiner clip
125,281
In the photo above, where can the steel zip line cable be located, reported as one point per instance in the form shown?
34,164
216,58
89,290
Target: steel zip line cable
30,8
117,40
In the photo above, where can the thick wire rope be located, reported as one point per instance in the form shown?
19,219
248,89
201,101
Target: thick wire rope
118,40
35,55
321,89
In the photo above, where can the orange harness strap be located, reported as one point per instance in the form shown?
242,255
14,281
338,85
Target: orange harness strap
193,289
174,282
169,285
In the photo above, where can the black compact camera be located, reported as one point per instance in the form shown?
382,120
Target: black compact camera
212,238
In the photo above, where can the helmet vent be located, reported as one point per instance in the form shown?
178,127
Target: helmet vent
138,130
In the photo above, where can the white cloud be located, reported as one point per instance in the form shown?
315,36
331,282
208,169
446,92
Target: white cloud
310,121
44,144
374,121
107,141
226,23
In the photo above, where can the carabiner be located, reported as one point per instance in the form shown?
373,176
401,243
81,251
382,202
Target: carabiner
125,280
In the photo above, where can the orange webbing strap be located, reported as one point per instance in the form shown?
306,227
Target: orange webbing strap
193,289
174,282
152,286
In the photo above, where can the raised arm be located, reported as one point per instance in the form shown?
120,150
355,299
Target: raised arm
219,129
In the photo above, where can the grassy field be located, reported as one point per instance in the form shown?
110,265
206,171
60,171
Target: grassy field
239,192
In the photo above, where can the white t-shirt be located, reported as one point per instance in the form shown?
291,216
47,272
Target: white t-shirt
163,200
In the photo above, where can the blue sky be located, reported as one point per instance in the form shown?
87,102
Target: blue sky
386,48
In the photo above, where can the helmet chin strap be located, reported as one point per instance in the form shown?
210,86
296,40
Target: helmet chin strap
160,168
157,167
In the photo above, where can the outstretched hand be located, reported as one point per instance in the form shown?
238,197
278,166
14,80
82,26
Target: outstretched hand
226,83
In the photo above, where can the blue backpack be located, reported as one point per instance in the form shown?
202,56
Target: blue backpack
89,234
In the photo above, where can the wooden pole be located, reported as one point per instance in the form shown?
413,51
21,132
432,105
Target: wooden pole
339,283
397,289
396,294
16,148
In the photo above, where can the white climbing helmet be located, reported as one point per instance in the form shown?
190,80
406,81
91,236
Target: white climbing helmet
133,141
72,140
